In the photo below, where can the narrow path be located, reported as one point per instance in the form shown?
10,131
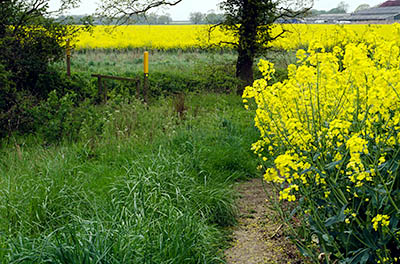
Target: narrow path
258,237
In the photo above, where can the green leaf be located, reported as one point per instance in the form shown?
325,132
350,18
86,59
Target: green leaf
332,164
365,257
326,237
337,218
331,221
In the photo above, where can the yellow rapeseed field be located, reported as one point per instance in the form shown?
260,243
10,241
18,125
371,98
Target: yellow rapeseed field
153,37
196,36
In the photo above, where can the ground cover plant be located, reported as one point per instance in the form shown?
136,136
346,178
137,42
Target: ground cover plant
147,186
330,145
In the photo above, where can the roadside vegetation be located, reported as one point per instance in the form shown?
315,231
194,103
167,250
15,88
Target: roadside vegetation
141,184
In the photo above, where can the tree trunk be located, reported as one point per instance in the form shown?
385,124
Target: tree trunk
244,70
247,47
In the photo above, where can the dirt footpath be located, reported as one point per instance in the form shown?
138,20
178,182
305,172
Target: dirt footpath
258,236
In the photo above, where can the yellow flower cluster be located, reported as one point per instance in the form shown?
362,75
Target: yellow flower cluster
197,36
380,219
323,105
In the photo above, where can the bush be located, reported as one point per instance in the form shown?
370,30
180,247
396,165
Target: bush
7,88
64,117
29,42
54,79
212,78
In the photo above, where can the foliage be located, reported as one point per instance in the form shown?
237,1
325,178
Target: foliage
7,87
170,72
341,8
330,144
362,7
27,114
196,17
29,42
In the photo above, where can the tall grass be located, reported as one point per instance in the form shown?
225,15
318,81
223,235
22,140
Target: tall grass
149,187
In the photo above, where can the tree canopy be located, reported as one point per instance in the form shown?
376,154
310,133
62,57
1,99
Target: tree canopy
252,22
362,7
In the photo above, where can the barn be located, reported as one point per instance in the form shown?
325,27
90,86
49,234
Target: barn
387,12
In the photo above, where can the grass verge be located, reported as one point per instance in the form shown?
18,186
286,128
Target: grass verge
152,186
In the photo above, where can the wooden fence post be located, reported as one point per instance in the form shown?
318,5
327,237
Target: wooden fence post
100,88
68,58
104,91
138,89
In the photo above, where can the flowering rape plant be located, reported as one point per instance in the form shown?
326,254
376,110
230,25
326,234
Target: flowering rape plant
331,134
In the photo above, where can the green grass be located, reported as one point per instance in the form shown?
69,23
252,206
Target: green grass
170,72
127,61
130,61
149,187
128,182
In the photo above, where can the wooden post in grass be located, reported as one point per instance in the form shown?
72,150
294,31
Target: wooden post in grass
100,89
146,76
68,59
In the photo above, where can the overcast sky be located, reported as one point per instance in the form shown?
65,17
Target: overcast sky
183,9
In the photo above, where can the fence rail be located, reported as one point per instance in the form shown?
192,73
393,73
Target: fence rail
102,87
101,84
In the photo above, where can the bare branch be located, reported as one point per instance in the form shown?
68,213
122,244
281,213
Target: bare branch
123,10
35,7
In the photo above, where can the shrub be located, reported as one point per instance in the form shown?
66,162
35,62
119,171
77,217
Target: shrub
64,117
29,42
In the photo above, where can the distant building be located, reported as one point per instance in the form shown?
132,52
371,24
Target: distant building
180,22
387,12
390,3
328,19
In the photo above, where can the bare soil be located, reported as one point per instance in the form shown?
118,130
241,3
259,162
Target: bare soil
259,235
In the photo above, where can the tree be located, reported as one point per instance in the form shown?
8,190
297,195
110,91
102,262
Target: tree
341,8
196,18
164,19
362,7
251,22
30,40
213,18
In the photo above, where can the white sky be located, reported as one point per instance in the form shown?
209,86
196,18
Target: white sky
183,9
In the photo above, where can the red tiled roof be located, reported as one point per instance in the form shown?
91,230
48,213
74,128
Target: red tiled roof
391,3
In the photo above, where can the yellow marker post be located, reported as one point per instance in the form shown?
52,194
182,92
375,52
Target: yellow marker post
146,75
146,62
